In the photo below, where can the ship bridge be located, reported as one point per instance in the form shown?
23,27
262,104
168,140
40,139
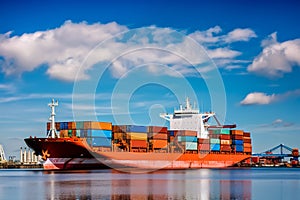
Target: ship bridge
189,118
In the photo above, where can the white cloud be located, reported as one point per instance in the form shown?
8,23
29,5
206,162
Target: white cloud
211,35
263,98
239,35
64,49
223,53
258,98
208,36
276,58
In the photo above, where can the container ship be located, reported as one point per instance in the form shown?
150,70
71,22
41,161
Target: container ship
190,142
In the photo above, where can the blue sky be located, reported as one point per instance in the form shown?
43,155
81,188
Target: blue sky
128,61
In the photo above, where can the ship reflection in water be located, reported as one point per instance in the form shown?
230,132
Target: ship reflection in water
238,183
189,184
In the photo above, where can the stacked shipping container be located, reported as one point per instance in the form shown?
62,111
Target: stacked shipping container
247,142
98,134
153,138
237,140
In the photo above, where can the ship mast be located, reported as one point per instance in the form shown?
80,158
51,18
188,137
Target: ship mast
52,132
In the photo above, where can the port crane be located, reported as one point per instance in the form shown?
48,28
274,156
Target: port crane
284,152
2,154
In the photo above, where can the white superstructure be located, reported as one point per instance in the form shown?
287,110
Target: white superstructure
189,118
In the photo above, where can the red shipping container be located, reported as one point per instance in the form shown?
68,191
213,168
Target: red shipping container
255,159
246,134
119,129
224,137
247,141
204,147
157,129
57,126
203,141
138,143
237,137
225,147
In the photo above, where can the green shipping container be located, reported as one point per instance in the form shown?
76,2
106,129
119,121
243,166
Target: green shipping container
214,141
225,131
191,145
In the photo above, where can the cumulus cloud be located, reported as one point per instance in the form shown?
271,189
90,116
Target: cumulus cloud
239,35
64,49
263,98
217,44
223,53
211,35
276,58
258,98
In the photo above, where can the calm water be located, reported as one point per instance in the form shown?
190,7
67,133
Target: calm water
260,183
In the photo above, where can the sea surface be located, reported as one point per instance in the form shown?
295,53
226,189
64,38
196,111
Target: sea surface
235,183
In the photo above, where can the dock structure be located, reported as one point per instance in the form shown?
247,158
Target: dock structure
276,156
28,159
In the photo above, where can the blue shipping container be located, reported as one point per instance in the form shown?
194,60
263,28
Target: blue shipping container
238,142
83,133
191,145
63,126
101,142
187,139
99,133
215,147
239,148
137,129
171,133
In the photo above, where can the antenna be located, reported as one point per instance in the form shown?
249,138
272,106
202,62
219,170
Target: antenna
52,132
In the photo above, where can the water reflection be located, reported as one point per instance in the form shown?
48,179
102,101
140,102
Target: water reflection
190,184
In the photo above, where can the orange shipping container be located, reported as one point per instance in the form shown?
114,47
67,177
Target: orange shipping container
186,133
72,125
139,143
159,136
228,142
247,145
120,136
158,144
97,125
248,149
63,133
237,132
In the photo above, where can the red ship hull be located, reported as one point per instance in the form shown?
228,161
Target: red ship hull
75,153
